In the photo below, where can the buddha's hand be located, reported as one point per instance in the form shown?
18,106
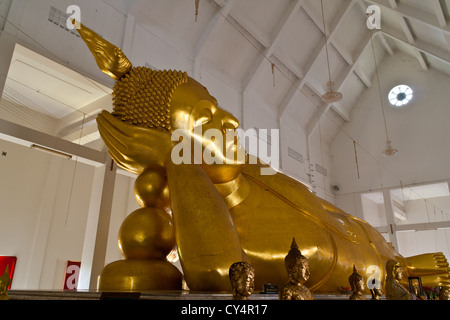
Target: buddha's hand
134,148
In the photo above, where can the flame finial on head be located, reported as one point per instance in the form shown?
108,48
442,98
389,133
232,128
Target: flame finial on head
110,59
292,256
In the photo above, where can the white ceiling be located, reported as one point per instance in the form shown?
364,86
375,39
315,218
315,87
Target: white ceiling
241,39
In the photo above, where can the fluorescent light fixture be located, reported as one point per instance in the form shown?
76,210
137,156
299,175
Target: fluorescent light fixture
51,151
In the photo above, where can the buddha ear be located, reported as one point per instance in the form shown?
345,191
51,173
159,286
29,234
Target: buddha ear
110,59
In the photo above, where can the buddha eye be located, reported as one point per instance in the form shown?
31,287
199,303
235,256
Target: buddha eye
204,116
202,112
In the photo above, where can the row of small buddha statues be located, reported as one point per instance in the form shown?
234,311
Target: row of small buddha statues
242,276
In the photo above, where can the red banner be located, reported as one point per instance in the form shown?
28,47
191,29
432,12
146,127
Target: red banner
9,262
71,275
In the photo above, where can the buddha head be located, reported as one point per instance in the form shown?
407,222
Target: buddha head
394,270
297,265
356,281
444,293
169,101
242,278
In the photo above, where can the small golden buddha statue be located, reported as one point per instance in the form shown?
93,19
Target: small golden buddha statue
394,290
357,285
5,281
242,278
444,293
220,212
376,293
297,267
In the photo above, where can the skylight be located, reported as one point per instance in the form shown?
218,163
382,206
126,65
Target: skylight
400,95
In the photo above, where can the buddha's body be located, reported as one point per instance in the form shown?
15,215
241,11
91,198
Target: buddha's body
265,213
278,208
224,213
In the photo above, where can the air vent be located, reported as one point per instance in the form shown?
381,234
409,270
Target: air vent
295,155
59,18
321,170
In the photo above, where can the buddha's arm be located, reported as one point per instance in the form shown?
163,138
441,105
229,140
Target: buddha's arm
208,243
133,148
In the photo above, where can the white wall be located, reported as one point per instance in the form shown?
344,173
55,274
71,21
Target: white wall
431,210
424,241
419,131
45,201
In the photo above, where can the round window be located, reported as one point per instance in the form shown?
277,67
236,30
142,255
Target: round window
400,95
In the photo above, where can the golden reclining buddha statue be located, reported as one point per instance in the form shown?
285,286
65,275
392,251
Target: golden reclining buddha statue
218,214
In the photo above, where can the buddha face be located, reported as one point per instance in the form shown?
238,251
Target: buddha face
244,284
360,285
196,111
300,271
398,273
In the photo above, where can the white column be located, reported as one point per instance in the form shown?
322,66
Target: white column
101,238
87,255
392,229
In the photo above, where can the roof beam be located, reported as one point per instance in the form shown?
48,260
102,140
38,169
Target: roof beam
319,24
27,136
213,24
363,77
267,52
288,97
406,29
393,3
318,88
439,13
324,109
412,13
386,45
412,40
425,48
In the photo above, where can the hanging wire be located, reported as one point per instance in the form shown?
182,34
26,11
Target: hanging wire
69,202
326,41
273,73
356,158
426,209
379,85
403,198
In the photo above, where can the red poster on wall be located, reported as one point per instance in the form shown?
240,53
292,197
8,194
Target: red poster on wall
9,262
71,275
